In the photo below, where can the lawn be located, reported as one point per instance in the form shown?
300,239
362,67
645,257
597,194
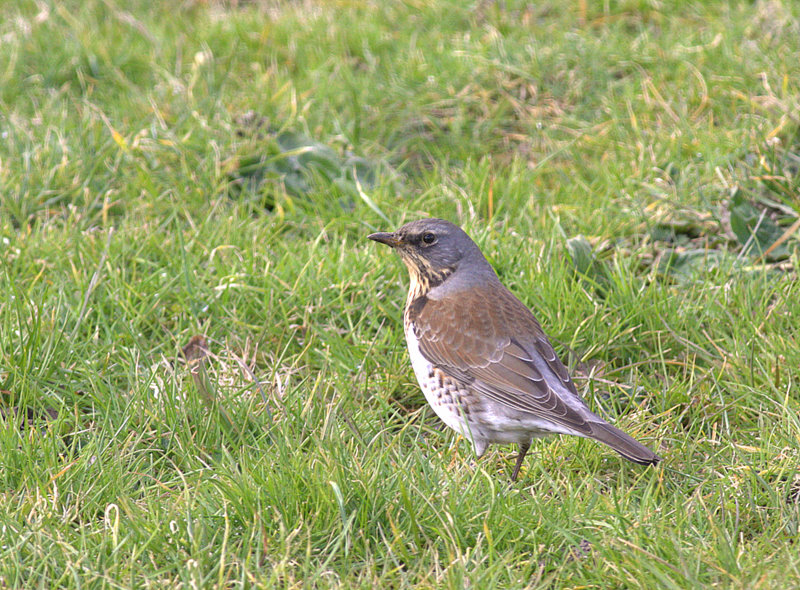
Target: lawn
203,376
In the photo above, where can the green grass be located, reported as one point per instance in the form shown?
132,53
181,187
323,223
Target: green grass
632,123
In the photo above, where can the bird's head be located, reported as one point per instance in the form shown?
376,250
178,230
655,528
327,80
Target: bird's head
432,249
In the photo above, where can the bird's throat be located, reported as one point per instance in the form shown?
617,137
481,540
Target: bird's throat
423,277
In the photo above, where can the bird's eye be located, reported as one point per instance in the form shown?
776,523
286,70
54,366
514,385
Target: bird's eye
428,237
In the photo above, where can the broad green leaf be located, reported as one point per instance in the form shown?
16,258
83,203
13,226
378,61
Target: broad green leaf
754,229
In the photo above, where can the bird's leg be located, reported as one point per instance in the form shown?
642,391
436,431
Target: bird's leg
523,449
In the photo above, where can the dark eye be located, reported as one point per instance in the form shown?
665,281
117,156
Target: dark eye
428,237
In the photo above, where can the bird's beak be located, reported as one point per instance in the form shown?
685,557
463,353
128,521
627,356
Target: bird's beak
388,238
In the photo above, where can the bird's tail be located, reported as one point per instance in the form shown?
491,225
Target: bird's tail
625,445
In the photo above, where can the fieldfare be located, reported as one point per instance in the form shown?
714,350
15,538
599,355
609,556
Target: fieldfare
482,360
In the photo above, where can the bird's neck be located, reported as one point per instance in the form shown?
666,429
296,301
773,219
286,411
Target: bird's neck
424,278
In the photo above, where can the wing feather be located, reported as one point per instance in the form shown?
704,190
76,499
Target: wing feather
504,354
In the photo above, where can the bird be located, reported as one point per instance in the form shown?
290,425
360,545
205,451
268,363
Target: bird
480,356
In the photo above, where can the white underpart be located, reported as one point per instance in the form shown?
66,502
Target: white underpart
500,424
422,369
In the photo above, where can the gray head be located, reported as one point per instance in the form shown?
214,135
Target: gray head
434,249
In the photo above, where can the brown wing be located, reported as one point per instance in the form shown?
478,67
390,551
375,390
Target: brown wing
490,339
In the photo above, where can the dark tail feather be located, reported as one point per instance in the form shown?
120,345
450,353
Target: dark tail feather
625,445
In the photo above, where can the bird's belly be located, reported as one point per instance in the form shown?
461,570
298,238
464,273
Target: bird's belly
482,421
443,395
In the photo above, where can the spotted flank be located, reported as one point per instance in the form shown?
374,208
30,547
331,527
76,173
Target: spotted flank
480,356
